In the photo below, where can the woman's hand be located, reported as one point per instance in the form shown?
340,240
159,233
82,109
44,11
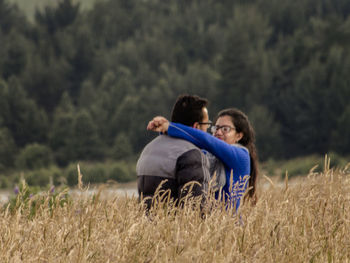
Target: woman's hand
158,124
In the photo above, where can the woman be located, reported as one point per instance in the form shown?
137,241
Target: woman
233,145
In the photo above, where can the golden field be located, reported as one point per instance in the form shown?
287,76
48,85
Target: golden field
304,220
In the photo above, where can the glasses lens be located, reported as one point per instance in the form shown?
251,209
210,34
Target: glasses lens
226,129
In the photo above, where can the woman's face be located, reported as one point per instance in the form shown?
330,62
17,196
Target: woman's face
226,131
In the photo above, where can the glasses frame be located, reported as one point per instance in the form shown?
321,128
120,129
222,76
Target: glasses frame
209,125
215,128
206,123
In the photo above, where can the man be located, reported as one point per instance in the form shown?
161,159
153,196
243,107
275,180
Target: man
175,162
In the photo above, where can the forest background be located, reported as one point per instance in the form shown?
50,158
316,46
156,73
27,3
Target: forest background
80,80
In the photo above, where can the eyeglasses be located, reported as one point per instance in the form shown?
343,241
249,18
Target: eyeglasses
209,123
224,129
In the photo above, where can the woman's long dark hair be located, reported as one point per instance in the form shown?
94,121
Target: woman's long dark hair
242,124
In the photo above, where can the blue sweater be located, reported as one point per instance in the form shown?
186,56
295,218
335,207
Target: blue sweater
234,157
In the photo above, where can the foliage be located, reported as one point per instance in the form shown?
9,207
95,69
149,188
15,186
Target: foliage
7,149
122,147
339,141
268,134
30,201
85,81
34,156
45,176
4,182
38,178
121,172
302,165
86,142
21,115
71,174
62,135
94,173
29,8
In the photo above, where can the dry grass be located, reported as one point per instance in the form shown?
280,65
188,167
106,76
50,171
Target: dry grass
306,221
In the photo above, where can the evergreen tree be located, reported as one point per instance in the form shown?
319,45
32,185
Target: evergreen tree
122,147
86,143
340,141
11,18
15,55
21,115
8,149
267,133
242,83
45,81
62,132
91,80
56,18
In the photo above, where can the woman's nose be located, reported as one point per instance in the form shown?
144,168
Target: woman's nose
218,131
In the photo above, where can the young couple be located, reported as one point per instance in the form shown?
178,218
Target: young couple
185,152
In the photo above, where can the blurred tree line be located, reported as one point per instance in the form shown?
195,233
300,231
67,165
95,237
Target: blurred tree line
82,85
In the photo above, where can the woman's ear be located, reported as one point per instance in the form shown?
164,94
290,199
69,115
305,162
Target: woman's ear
196,125
239,136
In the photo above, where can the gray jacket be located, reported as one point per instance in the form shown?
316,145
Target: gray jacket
175,160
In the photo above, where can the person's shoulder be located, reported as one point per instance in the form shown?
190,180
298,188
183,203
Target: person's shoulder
240,146
176,141
175,145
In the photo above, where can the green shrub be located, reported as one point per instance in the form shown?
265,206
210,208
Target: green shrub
71,174
42,177
57,175
294,167
94,173
338,160
29,199
38,178
91,173
4,182
34,156
121,172
100,172
302,165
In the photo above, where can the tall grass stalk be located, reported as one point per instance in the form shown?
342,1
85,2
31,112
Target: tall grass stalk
304,221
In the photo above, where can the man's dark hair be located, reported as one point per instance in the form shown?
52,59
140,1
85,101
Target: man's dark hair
188,109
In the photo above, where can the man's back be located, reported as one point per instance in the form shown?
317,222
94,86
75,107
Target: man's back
174,160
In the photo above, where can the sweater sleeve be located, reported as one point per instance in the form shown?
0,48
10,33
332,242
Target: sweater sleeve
232,156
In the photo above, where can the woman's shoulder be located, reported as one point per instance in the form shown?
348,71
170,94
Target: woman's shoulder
240,146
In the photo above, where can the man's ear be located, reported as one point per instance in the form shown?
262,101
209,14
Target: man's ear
196,125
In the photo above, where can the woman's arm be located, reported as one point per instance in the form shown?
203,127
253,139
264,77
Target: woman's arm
230,155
